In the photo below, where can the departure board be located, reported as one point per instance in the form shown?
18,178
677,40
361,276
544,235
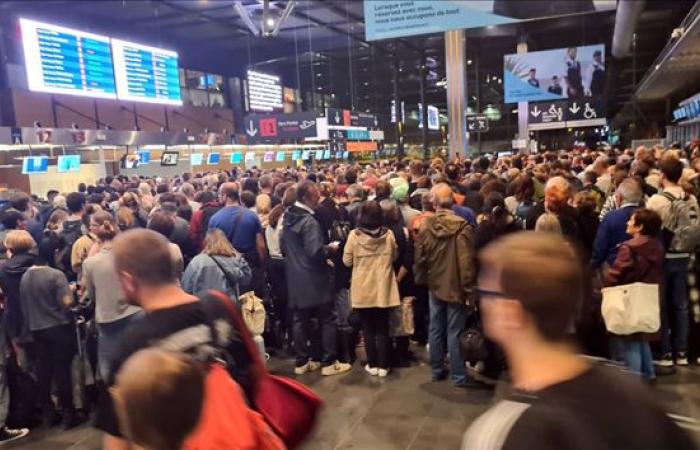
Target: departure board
146,74
60,60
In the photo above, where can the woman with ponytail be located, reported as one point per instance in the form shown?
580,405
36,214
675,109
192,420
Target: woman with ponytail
495,221
113,313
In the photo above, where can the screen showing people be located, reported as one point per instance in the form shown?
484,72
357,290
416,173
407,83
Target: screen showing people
169,159
573,73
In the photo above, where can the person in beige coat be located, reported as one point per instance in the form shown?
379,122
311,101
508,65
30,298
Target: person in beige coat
370,251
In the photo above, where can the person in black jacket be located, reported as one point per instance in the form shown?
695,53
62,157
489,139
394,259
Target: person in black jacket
403,268
309,284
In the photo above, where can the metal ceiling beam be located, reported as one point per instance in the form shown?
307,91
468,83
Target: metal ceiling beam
226,23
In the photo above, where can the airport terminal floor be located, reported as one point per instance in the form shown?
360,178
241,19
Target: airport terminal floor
405,411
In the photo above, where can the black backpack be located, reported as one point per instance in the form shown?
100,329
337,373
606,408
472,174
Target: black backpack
72,231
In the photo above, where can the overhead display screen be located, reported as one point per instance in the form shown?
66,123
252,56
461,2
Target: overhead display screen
60,60
146,74
563,73
197,159
281,156
264,92
35,164
236,158
213,159
68,163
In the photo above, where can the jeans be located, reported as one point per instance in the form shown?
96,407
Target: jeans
447,320
375,327
636,354
109,335
316,347
55,349
343,307
674,306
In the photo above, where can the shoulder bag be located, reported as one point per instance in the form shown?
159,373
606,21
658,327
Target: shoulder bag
631,308
289,407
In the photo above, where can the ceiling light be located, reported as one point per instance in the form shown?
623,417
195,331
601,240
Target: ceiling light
270,22
469,62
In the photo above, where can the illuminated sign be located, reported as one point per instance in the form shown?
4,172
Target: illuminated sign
264,92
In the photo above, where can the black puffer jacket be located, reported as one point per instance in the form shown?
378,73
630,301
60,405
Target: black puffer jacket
309,277
10,276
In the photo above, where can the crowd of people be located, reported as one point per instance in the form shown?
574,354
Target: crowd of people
382,257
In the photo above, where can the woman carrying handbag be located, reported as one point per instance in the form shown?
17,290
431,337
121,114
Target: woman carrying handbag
639,260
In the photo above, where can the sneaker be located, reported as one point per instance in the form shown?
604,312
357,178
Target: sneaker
310,366
9,435
371,370
383,373
336,369
682,359
665,361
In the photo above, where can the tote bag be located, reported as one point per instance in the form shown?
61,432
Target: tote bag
631,308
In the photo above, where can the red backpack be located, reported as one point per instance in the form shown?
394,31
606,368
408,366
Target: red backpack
226,422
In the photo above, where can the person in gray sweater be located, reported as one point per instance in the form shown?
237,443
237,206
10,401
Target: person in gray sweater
112,311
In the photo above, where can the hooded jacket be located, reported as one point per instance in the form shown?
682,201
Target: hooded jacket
444,259
309,277
10,277
371,256
203,274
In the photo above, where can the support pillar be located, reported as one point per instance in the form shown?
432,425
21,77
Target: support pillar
424,110
456,67
397,110
523,111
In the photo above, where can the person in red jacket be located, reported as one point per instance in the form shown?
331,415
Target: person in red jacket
200,219
640,259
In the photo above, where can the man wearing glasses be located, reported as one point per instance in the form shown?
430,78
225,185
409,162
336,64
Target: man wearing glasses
529,286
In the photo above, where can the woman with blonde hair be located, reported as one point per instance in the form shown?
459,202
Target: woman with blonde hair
263,205
549,223
132,201
219,266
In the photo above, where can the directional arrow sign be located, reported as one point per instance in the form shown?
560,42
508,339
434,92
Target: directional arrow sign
251,130
574,108
477,123
535,112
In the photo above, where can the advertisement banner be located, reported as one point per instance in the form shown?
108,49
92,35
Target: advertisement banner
564,73
276,127
386,19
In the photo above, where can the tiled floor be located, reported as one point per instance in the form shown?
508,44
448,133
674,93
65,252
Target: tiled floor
403,412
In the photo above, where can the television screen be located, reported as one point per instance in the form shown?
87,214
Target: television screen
562,73
68,163
305,155
296,155
269,156
319,154
169,158
197,159
250,157
213,159
65,61
281,156
144,157
346,154
35,164
236,158
146,74
326,154
338,155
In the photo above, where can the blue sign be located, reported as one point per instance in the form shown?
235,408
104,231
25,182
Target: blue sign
281,156
385,19
358,135
144,157
35,164
296,155
236,158
146,74
64,61
213,159
68,163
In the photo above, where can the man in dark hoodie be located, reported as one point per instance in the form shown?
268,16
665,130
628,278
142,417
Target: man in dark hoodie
73,229
444,261
310,285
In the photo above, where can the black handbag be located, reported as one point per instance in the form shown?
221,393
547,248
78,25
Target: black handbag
472,342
